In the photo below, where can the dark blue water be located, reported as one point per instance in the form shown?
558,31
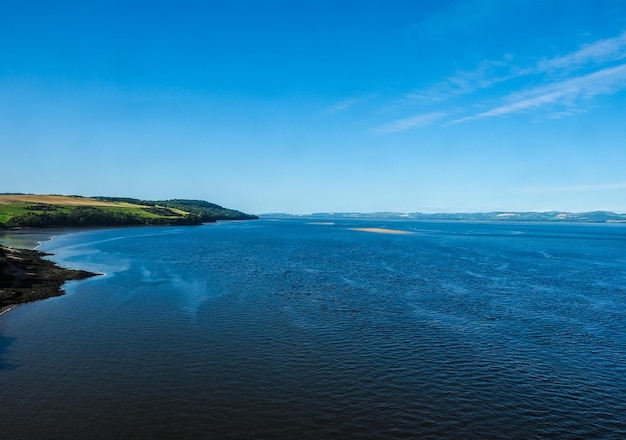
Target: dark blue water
292,330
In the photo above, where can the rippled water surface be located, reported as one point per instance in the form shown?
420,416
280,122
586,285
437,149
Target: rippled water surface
296,330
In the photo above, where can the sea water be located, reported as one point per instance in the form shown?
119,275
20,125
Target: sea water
297,329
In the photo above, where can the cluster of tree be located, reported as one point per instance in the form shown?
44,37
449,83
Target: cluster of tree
91,216
160,210
208,212
41,207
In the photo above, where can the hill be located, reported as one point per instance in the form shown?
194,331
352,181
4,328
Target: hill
31,210
549,216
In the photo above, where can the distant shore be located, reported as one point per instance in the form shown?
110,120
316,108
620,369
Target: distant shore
25,276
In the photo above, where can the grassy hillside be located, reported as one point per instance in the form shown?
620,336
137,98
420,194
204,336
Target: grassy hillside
28,210
206,211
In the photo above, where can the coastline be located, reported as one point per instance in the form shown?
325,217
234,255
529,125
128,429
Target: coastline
26,276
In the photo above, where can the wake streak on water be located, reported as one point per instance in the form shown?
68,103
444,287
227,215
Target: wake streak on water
292,330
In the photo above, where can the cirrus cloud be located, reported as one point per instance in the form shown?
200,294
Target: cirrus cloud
404,124
567,92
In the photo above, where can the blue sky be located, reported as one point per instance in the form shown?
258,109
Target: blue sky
309,106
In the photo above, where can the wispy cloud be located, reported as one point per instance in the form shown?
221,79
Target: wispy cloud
399,125
569,81
487,74
601,51
574,188
567,92
343,105
491,72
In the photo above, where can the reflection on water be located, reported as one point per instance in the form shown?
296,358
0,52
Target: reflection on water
26,238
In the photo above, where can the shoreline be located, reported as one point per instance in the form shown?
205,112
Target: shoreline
7,309
26,276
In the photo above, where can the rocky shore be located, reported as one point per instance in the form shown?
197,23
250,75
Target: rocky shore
26,276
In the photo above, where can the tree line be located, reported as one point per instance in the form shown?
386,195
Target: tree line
90,216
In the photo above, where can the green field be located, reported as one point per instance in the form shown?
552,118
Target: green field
28,210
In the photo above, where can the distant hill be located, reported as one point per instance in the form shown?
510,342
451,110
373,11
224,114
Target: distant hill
550,216
32,210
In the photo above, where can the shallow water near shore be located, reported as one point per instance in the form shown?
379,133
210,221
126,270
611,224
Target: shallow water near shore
288,329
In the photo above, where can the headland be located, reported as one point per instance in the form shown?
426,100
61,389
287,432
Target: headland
26,276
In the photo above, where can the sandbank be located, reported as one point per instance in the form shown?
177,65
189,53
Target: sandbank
382,231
